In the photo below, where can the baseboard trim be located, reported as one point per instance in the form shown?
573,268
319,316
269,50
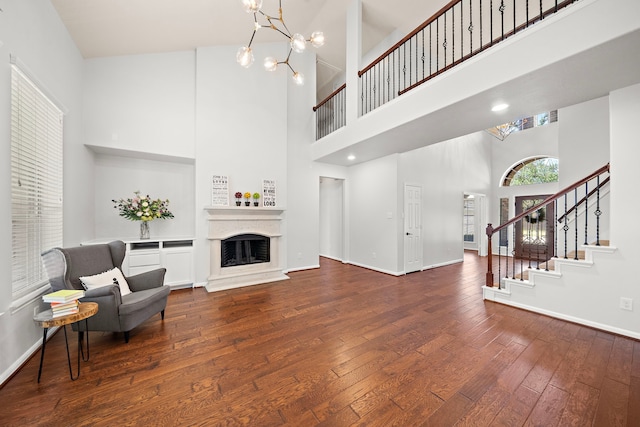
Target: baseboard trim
331,257
566,317
309,267
22,360
379,270
442,264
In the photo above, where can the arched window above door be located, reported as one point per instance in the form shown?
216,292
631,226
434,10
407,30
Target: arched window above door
536,170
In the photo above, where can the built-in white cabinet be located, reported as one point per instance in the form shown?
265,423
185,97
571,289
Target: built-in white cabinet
174,254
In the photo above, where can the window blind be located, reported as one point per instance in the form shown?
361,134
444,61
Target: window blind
36,181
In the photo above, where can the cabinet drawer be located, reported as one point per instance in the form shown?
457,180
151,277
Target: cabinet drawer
139,260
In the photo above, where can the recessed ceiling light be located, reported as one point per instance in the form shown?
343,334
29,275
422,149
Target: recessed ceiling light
351,157
499,107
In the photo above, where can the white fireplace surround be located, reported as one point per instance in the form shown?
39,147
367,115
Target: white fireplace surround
226,222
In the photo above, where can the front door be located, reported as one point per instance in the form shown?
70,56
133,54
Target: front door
412,228
535,233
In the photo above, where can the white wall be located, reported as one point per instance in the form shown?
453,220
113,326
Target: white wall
302,217
614,275
32,31
142,103
139,119
584,146
241,131
446,171
625,151
584,139
118,177
374,214
535,142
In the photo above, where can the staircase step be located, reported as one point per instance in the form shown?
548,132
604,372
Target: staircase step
550,264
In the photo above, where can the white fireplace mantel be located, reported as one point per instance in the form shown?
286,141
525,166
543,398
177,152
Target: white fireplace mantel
225,222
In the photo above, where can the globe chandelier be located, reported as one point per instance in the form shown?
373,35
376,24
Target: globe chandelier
297,42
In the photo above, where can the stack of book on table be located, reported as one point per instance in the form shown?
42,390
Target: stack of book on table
64,301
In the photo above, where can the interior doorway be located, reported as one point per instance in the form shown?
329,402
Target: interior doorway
469,223
474,221
331,218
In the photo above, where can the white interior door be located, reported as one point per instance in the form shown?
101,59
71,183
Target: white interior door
412,228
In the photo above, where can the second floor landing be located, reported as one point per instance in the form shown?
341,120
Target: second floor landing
580,53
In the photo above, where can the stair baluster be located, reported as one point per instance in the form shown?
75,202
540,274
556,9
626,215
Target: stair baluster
575,203
513,251
565,227
586,213
598,212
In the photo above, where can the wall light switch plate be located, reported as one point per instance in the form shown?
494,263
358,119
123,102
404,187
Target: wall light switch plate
626,303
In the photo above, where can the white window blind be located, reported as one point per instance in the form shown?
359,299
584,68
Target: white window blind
36,182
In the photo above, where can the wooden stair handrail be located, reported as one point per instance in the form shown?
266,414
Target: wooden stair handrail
334,93
591,193
548,200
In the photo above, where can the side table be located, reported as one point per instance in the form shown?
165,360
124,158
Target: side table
46,320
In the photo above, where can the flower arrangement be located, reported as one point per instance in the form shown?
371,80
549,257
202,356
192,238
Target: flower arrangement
143,208
238,198
247,196
256,196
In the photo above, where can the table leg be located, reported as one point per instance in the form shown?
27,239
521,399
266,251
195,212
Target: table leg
81,338
66,342
44,343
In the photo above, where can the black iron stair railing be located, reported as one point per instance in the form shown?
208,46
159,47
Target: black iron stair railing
560,223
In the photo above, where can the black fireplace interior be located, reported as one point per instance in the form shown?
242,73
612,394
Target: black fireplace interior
245,249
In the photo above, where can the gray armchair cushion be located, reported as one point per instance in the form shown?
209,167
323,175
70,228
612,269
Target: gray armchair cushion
115,313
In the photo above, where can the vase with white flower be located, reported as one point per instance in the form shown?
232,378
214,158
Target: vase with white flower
143,209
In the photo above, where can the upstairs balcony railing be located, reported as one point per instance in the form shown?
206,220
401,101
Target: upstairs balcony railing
457,32
330,112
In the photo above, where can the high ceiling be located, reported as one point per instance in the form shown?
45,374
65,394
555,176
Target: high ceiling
103,28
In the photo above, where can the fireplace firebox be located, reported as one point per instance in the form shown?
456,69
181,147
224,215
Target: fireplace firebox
245,249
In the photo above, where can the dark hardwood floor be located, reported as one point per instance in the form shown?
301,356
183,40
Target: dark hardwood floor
338,346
